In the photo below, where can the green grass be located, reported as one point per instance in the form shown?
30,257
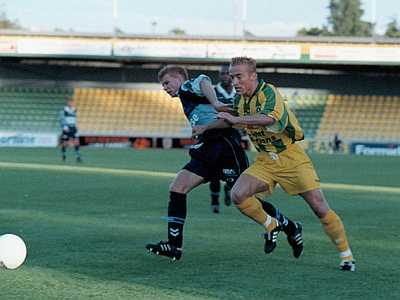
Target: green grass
86,233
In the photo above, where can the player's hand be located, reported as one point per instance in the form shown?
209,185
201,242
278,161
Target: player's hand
65,130
198,130
231,119
222,107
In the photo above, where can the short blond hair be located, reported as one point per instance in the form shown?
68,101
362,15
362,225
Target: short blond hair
173,70
244,60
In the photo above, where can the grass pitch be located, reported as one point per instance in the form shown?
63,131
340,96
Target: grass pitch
86,226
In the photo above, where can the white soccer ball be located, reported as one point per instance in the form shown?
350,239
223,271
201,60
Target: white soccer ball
12,251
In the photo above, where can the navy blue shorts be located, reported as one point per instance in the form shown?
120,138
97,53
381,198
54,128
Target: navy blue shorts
70,134
218,158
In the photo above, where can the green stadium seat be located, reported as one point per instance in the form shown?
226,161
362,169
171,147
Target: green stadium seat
31,108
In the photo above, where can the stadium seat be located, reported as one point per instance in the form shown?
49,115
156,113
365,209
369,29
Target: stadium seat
352,117
309,109
31,109
132,112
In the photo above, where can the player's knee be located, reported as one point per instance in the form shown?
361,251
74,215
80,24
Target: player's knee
238,195
317,203
176,189
179,188
321,208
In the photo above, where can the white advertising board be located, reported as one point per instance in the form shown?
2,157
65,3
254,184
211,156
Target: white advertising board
278,52
371,54
8,46
25,139
64,47
154,49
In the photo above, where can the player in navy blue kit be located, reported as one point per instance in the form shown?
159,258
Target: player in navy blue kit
225,93
68,121
217,154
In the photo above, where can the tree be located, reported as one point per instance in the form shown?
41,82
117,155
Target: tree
177,31
118,30
344,20
248,34
393,29
5,23
313,31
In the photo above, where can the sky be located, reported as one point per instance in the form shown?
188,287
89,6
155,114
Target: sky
206,17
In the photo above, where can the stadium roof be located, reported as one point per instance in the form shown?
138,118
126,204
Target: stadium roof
306,39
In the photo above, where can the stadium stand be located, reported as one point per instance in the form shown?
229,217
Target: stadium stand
361,118
129,112
151,113
31,109
309,109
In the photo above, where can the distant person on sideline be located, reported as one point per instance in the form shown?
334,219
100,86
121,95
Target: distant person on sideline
69,133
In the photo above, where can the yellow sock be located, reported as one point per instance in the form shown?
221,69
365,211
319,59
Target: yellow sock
334,228
252,208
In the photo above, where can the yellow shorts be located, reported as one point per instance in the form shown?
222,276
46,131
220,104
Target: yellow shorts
292,169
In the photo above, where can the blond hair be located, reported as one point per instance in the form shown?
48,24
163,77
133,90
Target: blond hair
173,70
244,60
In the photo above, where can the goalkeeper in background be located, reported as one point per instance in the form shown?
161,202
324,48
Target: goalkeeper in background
68,120
225,93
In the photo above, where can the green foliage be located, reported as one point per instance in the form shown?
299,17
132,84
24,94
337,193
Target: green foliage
118,30
6,23
313,31
248,33
393,29
177,31
345,19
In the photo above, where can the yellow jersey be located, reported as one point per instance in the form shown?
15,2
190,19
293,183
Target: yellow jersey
268,101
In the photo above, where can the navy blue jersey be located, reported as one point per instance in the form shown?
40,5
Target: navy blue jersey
218,154
196,106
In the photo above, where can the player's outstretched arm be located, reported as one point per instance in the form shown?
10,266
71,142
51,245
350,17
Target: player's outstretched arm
208,91
250,120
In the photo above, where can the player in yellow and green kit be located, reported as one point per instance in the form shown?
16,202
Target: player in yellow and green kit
274,131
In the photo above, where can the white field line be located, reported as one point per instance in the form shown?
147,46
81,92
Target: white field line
124,172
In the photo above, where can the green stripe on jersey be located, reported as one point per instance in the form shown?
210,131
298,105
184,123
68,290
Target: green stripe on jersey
270,100
291,131
282,121
279,145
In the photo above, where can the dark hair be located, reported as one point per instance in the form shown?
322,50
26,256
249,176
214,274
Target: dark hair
173,70
223,68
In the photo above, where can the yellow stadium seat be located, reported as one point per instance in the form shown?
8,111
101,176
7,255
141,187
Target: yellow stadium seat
131,111
353,117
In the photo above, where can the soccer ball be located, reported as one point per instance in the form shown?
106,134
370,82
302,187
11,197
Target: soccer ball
12,251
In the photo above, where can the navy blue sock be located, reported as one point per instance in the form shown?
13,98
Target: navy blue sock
288,225
176,218
215,187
